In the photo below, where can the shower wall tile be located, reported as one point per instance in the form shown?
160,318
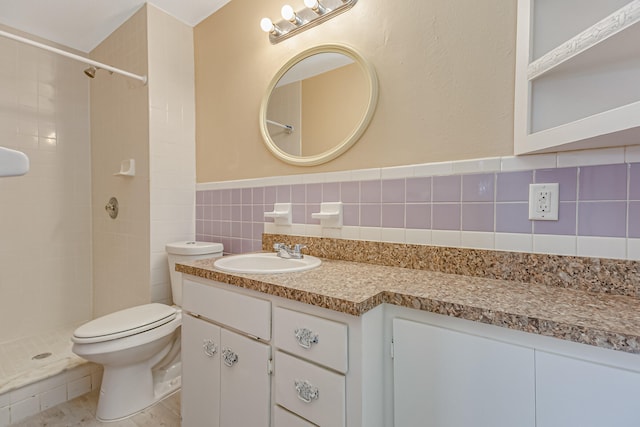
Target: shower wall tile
44,112
481,210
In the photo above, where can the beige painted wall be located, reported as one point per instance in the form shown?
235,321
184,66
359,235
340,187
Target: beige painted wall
446,72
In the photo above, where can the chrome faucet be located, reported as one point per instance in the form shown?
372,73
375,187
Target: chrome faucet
286,251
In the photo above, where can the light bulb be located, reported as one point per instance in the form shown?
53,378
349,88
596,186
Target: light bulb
316,6
288,13
266,25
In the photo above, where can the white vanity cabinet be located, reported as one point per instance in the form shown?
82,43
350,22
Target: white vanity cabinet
575,392
311,350
577,68
453,379
325,367
225,374
450,372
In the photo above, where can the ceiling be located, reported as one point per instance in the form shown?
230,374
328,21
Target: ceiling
83,24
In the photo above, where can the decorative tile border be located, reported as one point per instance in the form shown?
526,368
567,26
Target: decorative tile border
480,204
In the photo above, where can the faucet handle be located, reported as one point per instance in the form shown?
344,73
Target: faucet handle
279,246
298,247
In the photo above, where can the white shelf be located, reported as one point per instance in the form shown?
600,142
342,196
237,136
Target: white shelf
613,24
585,93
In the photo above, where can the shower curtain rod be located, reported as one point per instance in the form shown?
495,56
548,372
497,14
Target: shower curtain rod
87,61
288,128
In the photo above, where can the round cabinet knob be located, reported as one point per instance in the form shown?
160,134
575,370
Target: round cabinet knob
305,337
307,392
229,357
209,347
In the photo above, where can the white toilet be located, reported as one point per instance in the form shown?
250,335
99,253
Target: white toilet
139,347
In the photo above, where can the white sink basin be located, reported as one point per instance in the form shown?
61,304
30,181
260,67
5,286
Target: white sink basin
265,263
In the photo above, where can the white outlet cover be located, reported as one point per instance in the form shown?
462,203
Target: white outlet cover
543,201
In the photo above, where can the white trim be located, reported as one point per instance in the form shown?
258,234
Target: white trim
491,164
417,236
601,156
632,154
477,240
554,244
529,162
446,238
633,249
604,247
393,235
514,242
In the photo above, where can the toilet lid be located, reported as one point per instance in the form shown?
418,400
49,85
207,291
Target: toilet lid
124,323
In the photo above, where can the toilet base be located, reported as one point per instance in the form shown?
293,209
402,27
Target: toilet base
117,402
127,390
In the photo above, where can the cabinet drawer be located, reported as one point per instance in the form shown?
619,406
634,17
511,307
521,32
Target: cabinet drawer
320,340
244,313
310,391
284,418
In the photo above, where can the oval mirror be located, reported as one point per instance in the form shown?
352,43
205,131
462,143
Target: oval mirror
318,105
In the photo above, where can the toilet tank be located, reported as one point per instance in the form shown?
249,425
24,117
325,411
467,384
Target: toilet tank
186,251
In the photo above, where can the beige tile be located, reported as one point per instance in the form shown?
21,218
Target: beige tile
80,412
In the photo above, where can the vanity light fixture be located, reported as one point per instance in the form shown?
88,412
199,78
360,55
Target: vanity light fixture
293,22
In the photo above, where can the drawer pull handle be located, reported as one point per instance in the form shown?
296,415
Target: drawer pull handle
305,337
229,357
209,347
307,392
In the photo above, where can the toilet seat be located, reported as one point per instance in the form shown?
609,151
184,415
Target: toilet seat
124,323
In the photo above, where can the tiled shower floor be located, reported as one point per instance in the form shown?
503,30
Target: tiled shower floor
18,367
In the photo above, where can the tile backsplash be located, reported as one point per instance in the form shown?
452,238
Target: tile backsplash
599,213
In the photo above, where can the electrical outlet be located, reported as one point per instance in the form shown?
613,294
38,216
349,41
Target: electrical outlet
543,202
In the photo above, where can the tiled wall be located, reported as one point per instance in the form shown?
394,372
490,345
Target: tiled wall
172,146
119,131
20,403
45,218
477,204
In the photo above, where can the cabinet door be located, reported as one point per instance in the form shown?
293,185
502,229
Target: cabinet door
245,381
444,378
200,373
571,392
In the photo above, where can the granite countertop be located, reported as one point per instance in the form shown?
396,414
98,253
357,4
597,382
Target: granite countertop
608,321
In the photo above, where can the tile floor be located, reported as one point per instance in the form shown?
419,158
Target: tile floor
80,412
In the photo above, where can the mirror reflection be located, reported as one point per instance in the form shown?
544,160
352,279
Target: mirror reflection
318,105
